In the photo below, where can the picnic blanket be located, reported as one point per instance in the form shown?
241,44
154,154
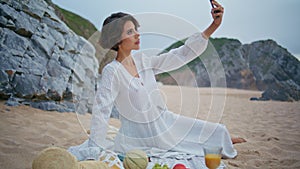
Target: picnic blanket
170,158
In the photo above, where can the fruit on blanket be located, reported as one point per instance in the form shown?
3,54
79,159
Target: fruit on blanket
158,166
179,166
55,158
135,159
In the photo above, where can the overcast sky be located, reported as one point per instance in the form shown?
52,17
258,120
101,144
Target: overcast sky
247,21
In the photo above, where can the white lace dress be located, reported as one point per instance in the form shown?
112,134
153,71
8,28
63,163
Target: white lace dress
146,123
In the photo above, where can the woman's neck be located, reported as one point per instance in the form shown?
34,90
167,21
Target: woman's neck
123,57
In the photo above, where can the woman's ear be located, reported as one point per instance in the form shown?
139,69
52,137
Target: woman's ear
119,44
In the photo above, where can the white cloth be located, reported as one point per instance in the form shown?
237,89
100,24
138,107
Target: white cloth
146,123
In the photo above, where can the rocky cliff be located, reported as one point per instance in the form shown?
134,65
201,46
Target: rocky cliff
262,65
42,62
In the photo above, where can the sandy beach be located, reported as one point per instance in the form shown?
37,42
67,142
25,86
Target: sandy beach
271,128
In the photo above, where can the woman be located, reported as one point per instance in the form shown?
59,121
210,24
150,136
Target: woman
128,82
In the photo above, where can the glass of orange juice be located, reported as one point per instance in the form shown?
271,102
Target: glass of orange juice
212,157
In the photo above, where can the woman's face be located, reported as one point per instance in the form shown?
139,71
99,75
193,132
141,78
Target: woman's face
130,37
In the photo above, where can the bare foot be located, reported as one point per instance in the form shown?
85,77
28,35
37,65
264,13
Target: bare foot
238,140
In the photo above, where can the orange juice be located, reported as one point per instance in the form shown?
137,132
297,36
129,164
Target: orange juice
212,161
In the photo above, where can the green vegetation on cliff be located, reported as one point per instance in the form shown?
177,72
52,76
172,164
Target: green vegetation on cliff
79,25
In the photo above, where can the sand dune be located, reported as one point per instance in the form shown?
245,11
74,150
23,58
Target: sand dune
270,128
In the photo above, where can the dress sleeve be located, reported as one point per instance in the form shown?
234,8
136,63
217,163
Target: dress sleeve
175,58
102,107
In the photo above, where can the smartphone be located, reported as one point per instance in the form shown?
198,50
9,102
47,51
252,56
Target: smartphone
212,5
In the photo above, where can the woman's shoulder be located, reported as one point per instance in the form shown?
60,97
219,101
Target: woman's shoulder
110,67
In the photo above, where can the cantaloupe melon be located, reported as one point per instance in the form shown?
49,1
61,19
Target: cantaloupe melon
135,159
59,158
55,158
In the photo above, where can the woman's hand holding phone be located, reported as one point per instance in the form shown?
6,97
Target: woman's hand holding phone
217,12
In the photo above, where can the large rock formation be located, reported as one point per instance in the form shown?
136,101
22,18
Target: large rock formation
276,71
42,62
262,65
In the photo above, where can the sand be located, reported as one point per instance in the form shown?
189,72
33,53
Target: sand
271,128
